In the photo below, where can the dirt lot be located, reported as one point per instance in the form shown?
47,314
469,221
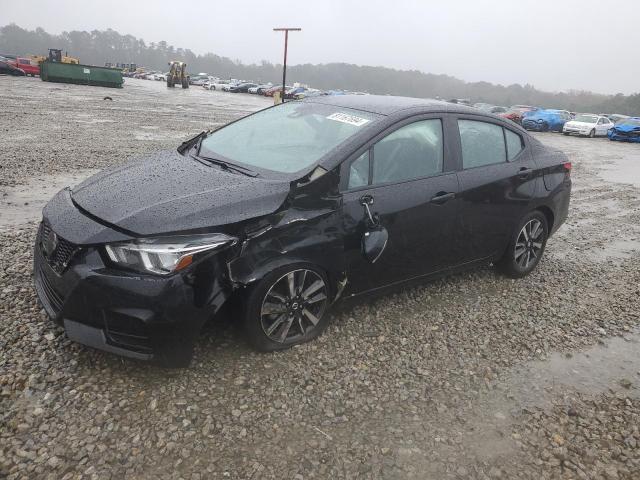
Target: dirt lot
475,376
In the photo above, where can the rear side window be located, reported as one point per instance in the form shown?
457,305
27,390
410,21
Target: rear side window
412,151
514,144
482,143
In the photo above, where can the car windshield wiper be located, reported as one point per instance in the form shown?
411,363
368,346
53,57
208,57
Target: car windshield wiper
228,166
197,140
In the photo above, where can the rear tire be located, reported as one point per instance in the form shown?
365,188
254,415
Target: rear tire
287,307
526,246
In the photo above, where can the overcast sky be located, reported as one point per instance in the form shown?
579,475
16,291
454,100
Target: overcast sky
554,45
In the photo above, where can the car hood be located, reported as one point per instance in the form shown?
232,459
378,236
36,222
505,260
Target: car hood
167,192
627,128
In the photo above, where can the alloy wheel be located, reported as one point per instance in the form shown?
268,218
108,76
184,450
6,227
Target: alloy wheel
293,306
529,244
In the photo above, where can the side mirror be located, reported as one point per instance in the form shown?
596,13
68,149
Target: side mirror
374,242
375,236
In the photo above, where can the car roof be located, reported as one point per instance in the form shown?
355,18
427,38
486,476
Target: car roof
387,105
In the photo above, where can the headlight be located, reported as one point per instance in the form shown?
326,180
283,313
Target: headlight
166,255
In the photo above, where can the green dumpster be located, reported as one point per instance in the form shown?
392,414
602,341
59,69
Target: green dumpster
80,74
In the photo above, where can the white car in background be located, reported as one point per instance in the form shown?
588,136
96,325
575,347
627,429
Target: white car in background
232,83
217,85
257,88
208,85
588,125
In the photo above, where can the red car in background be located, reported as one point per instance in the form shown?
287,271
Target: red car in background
516,112
271,91
29,66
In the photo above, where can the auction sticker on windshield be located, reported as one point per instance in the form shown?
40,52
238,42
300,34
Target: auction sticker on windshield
350,119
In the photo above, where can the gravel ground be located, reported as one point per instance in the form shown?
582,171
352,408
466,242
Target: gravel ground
474,376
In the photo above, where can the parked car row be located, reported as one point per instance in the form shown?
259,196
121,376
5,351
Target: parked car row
615,126
153,75
294,92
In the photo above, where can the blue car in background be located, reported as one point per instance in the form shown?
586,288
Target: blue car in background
542,120
626,130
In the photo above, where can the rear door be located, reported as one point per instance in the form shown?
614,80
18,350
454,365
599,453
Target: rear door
497,183
408,174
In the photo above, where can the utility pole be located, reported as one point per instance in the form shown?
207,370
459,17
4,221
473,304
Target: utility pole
286,31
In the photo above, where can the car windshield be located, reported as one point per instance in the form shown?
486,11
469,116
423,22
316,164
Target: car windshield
287,138
586,118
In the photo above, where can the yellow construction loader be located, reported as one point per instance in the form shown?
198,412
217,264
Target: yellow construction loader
55,55
177,75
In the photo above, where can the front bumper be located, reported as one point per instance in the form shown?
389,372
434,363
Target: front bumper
144,317
624,136
532,125
575,131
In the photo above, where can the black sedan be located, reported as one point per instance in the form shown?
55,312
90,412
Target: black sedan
287,210
242,87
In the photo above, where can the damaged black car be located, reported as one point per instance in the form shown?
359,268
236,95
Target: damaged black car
287,210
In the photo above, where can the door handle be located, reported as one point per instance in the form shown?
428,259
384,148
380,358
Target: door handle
442,197
525,172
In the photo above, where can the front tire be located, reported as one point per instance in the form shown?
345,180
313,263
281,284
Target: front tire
592,133
526,246
287,307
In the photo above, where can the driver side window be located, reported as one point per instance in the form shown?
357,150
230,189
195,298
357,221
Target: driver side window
413,151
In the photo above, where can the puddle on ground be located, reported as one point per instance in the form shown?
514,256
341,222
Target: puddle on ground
623,170
617,249
23,203
615,364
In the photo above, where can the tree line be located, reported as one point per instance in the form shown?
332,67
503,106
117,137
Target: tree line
98,47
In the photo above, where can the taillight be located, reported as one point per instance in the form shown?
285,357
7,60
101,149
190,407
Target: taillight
567,168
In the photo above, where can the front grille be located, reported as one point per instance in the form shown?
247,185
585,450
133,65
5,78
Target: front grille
58,253
53,297
626,134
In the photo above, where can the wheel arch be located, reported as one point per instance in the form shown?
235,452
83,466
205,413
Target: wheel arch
244,278
549,215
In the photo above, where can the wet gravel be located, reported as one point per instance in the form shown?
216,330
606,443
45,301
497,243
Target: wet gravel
435,381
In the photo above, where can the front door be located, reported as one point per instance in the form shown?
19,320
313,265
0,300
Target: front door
603,126
413,198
